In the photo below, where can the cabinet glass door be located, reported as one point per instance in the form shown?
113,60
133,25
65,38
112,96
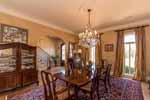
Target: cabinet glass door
27,60
7,60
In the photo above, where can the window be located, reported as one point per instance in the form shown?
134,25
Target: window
92,54
129,56
70,50
63,52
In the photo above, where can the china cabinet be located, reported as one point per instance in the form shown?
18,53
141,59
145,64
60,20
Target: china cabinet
17,65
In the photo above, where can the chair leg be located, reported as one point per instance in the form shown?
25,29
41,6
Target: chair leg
105,83
91,96
69,93
109,82
76,92
97,92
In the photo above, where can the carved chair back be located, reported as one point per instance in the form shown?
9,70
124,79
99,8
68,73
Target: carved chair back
95,81
70,64
49,86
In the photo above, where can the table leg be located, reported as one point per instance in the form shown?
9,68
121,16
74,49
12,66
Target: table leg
149,84
76,93
97,90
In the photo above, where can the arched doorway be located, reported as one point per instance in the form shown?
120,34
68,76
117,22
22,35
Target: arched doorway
62,53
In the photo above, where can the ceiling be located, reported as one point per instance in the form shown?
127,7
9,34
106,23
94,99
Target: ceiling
71,15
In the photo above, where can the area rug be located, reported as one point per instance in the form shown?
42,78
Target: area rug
121,89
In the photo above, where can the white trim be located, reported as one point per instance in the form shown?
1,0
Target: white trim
38,21
131,24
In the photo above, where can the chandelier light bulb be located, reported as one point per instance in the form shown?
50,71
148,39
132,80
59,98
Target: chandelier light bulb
90,36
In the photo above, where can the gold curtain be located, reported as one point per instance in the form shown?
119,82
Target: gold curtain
87,55
140,60
118,70
98,52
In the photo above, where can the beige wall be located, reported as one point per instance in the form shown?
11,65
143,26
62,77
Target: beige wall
110,37
38,36
38,33
49,45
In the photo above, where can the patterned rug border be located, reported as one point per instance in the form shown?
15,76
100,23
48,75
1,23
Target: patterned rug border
125,92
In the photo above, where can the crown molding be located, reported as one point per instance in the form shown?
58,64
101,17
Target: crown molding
128,25
32,19
12,12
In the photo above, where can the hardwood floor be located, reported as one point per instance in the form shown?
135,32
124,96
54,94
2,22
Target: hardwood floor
19,90
146,91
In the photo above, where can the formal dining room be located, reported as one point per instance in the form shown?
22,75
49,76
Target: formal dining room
74,49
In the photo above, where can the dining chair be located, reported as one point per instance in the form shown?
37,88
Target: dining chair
105,76
52,90
70,64
92,87
108,74
103,62
62,63
89,65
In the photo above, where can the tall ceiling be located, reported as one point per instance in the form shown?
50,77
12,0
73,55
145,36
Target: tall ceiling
71,15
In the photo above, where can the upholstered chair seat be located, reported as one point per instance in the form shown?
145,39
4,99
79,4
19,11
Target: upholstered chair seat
92,87
87,87
62,93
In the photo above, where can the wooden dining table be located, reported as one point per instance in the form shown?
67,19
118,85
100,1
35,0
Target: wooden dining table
77,78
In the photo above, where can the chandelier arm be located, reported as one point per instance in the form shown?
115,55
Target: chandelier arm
90,37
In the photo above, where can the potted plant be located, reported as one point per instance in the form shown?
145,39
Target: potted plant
55,59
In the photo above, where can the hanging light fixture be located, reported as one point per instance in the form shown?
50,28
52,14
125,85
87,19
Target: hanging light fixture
89,37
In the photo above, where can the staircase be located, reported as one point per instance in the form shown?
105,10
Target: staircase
43,59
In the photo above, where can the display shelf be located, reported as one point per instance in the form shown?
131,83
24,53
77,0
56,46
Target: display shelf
7,60
17,60
27,59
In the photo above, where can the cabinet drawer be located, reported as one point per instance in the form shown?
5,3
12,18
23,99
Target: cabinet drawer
29,77
7,81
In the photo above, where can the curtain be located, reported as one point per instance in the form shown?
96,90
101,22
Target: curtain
87,55
118,70
140,60
98,52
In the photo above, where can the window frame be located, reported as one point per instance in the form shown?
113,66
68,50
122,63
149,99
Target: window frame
71,48
63,44
93,54
129,44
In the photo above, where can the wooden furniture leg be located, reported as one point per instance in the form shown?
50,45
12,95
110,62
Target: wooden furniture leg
76,93
149,84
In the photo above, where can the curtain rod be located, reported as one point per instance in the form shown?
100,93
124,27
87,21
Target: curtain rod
131,28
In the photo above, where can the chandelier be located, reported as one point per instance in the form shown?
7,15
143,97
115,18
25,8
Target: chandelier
89,37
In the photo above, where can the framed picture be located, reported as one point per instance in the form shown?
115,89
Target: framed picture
109,47
13,34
